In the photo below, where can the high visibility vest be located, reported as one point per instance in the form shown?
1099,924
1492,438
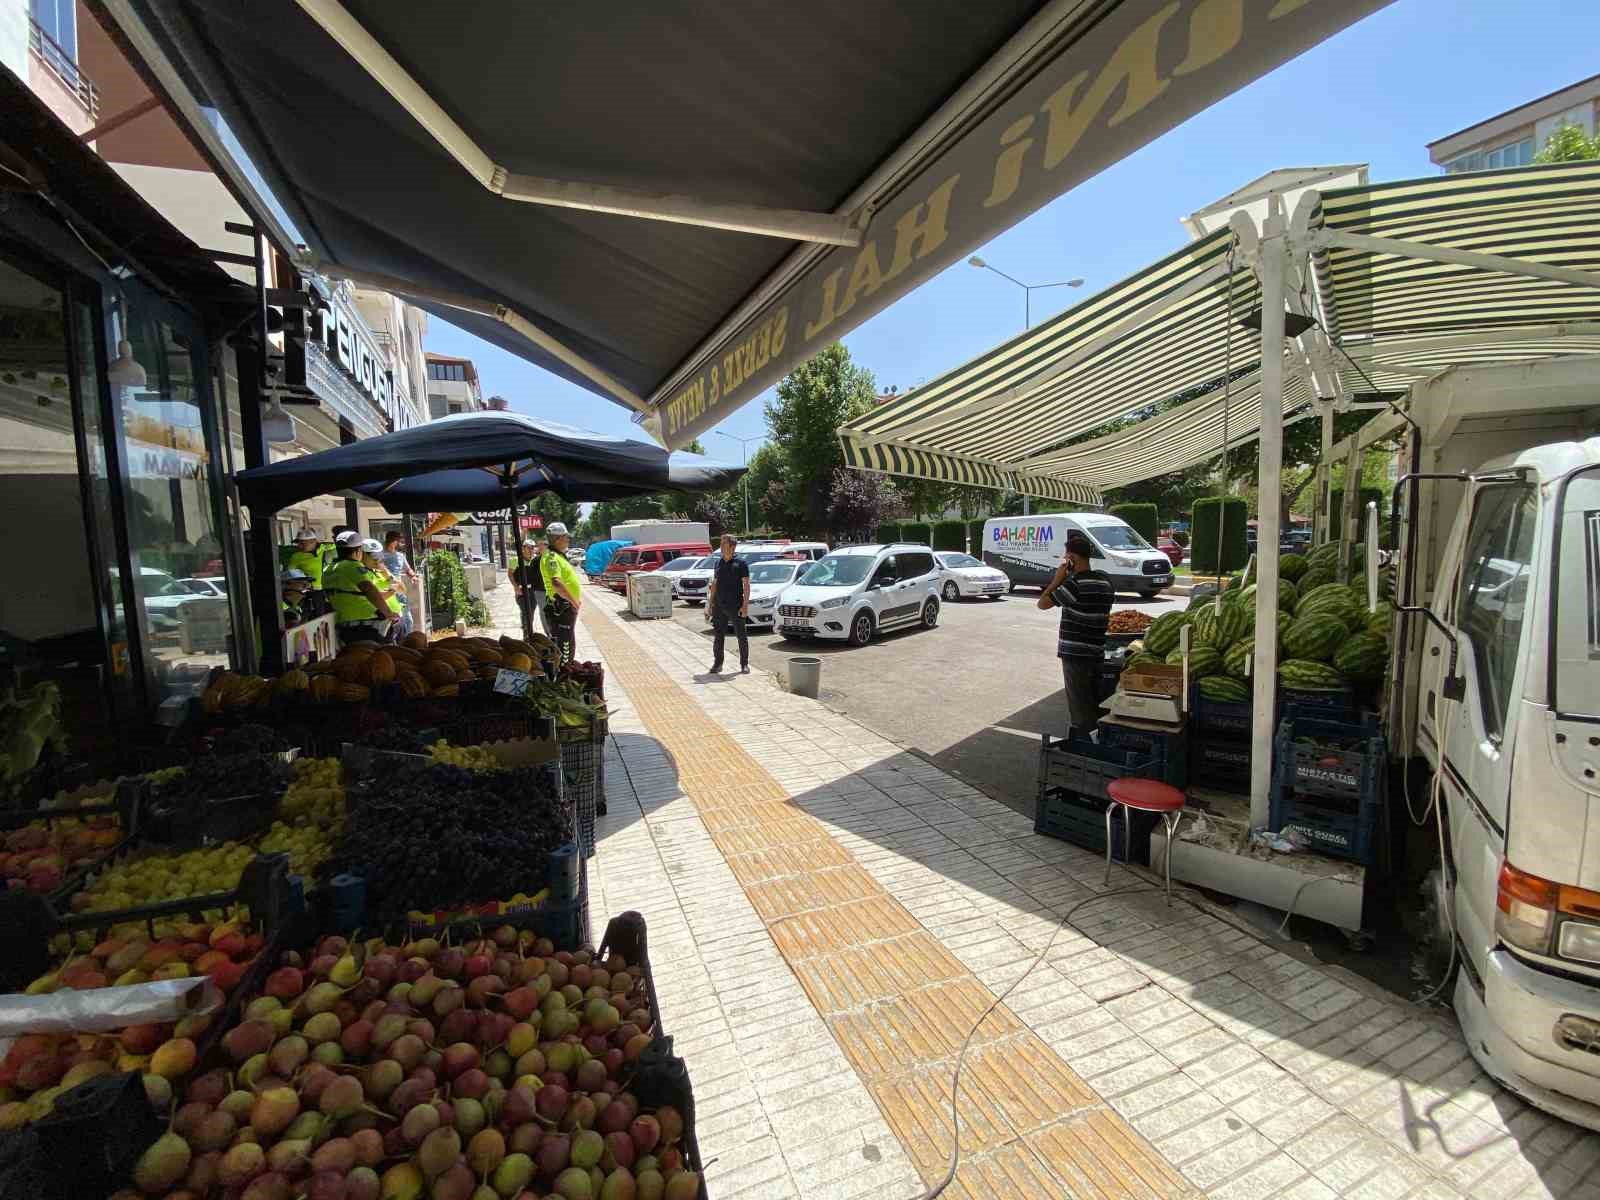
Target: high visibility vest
311,564
380,581
343,585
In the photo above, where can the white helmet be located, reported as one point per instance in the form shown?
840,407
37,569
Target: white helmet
294,575
350,537
305,534
556,529
372,546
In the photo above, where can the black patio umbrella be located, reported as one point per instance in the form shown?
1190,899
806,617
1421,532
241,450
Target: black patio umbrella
481,461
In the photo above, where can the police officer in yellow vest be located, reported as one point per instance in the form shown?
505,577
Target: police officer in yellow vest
306,556
360,605
372,555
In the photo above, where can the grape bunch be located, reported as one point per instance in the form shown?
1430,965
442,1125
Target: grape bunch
442,836
221,777
250,739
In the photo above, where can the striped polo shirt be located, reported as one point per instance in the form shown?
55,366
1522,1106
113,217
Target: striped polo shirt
1085,602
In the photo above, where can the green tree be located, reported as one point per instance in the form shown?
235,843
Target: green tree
1568,144
552,508
812,402
1302,447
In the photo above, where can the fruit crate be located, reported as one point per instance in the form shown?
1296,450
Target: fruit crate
1085,767
566,924
1338,828
1167,749
1339,760
1338,703
662,1077
1220,763
119,802
583,767
1081,820
28,921
87,1146
1219,718
187,825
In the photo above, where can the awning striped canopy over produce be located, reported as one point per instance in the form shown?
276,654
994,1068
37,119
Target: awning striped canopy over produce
1391,319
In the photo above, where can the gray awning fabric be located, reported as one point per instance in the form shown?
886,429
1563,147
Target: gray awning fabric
927,125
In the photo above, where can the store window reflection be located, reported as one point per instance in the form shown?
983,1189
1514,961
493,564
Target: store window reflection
49,624
172,510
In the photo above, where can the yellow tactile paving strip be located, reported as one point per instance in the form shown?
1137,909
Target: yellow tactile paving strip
896,1001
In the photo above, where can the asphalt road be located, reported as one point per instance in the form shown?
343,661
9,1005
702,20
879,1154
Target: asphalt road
973,694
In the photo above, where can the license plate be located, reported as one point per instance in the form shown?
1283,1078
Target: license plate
1163,579
796,625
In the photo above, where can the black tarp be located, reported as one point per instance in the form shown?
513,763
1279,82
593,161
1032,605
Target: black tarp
459,464
785,105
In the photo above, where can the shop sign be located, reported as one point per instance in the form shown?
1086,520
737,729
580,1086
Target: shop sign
345,338
534,521
146,461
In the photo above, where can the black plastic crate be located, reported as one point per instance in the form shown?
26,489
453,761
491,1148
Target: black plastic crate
1340,829
1168,750
1086,767
1340,760
565,924
1338,703
1081,820
582,770
1220,718
88,1146
1222,763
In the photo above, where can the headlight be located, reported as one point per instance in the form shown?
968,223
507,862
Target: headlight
836,602
761,602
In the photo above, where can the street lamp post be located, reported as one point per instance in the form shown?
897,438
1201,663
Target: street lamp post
1028,289
744,448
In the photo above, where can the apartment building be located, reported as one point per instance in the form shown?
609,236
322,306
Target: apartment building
1512,138
452,386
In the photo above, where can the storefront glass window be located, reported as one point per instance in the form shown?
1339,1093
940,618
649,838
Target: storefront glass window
173,507
50,623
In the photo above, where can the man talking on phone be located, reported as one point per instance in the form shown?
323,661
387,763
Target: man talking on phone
1084,598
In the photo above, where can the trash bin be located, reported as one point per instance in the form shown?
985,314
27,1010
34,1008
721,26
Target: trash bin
805,676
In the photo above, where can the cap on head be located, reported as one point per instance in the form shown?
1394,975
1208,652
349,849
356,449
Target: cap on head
294,575
557,529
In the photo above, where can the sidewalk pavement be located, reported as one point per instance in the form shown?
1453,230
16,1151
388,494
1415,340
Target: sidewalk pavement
829,914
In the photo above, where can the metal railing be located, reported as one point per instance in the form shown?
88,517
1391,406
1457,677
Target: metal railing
62,66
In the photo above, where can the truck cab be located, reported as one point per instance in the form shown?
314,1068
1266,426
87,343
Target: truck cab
1498,691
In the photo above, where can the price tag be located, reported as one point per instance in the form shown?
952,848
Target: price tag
511,683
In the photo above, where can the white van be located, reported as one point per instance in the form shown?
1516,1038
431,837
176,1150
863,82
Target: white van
1029,549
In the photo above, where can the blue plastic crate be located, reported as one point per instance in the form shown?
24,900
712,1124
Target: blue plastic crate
1168,750
1085,767
1339,830
1339,760
1081,820
1221,763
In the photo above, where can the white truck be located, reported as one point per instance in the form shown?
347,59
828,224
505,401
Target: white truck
1496,687
650,533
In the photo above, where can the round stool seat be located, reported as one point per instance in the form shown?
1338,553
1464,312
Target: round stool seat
1148,795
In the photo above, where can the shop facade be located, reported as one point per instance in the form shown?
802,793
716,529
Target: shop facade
116,445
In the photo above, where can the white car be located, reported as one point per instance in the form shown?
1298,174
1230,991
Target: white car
676,568
212,587
768,582
693,581
965,576
853,593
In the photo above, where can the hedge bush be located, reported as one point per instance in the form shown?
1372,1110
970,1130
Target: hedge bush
1210,512
916,531
447,589
975,539
1140,517
888,533
949,535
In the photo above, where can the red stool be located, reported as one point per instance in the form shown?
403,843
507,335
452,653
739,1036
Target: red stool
1146,795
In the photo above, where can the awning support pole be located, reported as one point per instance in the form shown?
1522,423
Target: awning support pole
516,524
1272,267
1324,474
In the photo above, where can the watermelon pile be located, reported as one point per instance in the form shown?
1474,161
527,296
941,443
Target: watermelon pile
1328,640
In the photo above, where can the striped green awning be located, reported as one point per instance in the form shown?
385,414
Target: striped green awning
891,459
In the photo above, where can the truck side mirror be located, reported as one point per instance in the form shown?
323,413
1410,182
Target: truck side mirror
1372,557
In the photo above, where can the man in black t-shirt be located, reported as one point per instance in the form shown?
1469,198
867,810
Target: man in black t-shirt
1084,597
728,603
528,582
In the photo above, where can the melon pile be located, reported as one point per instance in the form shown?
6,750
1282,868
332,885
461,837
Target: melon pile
1328,640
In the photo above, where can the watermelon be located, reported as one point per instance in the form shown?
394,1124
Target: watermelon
1204,629
1234,622
1162,636
1314,578
1203,660
1381,621
1364,656
1236,656
1288,595
1135,661
1220,687
1324,594
1325,555
1292,566
1314,636
1309,676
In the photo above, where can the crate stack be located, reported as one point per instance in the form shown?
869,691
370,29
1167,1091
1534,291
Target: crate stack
1328,782
1074,774
1219,755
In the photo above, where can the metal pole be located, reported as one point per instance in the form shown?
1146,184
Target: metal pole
516,525
1324,476
260,554
1269,492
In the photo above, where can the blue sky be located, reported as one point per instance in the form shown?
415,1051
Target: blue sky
1377,93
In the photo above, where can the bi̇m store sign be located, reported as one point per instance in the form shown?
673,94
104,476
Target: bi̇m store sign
1137,70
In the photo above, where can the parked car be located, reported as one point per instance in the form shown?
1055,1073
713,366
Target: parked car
646,558
214,587
784,548
576,555
854,593
768,582
677,567
691,584
962,575
1171,549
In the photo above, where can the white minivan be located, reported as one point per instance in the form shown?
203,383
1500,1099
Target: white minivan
1029,549
857,591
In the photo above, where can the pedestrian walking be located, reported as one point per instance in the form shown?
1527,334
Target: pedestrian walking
562,592
1084,598
728,604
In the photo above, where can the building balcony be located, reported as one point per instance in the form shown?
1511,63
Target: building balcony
59,83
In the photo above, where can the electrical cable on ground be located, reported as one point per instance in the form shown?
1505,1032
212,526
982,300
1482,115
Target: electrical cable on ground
938,1188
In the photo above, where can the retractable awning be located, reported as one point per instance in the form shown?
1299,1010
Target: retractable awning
672,204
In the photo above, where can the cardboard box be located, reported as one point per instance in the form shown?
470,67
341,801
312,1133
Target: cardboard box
1161,680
